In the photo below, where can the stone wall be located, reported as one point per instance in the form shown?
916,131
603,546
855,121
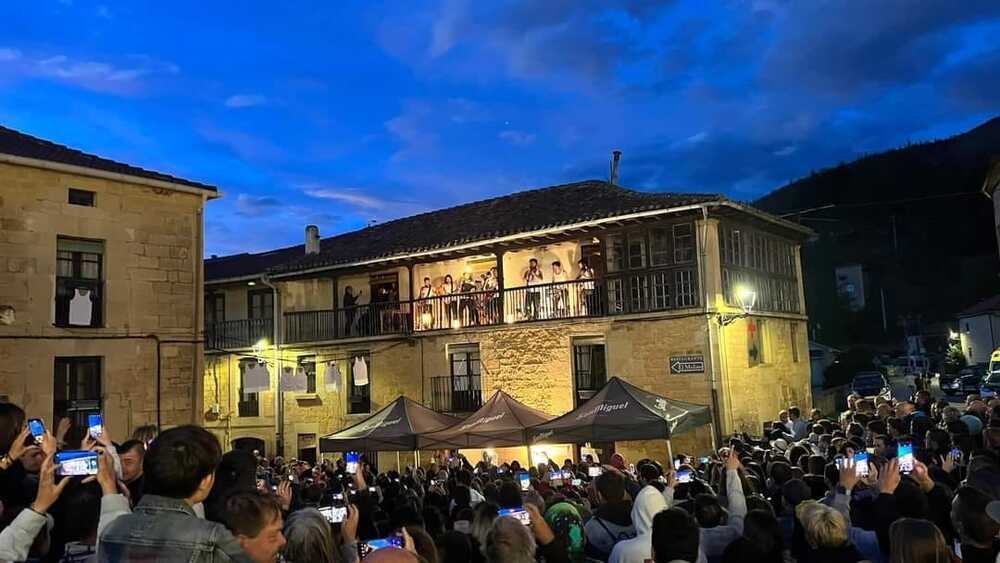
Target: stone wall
152,249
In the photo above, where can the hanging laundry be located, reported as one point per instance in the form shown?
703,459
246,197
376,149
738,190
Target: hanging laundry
293,379
360,372
332,377
256,378
81,307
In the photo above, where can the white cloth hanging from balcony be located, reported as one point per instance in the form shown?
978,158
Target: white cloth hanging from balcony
256,378
81,307
360,372
331,378
293,379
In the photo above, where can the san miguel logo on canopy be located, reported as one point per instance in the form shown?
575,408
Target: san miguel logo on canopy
383,424
481,420
603,408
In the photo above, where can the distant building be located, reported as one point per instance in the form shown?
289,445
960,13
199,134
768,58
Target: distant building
979,330
351,318
100,288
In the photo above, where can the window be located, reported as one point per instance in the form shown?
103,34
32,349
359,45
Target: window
756,341
589,368
683,243
359,399
616,253
659,247
215,308
685,288
793,331
636,251
466,382
260,304
77,389
81,197
79,290
249,403
639,288
308,365
661,290
616,296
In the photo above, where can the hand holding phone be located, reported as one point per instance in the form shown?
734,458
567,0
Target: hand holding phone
95,425
905,455
594,471
37,428
334,514
520,513
352,462
861,468
76,463
395,540
684,476
525,481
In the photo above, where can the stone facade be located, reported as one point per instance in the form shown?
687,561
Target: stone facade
152,294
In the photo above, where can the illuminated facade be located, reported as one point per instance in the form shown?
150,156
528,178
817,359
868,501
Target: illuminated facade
551,292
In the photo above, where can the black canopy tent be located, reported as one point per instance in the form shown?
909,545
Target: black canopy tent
395,427
621,411
502,421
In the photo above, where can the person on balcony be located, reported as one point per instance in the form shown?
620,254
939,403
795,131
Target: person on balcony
426,318
586,288
350,308
491,296
557,293
468,301
448,289
533,296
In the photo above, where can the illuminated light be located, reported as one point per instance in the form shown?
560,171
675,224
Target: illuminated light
468,269
456,324
952,335
510,319
426,319
251,283
260,346
747,298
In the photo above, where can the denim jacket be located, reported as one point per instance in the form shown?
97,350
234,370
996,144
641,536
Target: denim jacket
166,530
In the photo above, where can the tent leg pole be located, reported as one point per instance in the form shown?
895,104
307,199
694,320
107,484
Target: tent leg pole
670,453
398,469
715,445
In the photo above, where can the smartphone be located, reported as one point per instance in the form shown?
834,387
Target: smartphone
703,460
556,478
76,462
95,425
861,464
677,464
260,484
37,428
352,462
684,476
594,470
956,455
525,480
334,514
520,513
366,548
631,469
905,455
567,475
577,482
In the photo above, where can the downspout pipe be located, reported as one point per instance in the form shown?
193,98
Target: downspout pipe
713,374
279,419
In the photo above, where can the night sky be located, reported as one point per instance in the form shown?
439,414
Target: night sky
339,113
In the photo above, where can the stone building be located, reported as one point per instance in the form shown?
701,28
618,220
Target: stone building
656,304
100,287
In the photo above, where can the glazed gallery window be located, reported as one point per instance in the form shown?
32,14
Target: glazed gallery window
79,285
77,389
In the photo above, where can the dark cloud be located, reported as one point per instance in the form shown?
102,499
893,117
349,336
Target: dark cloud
254,206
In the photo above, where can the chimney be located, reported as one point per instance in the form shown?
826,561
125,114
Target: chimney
616,157
312,239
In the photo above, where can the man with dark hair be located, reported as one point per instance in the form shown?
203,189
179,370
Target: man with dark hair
675,537
796,426
131,454
179,471
612,519
255,520
509,495
975,526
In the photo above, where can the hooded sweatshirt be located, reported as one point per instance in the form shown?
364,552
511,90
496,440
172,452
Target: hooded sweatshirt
648,503
612,523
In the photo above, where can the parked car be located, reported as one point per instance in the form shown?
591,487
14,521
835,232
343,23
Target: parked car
968,382
871,384
990,386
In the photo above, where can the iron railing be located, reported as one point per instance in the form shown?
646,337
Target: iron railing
243,333
361,321
456,394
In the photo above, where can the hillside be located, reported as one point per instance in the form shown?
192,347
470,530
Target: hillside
914,217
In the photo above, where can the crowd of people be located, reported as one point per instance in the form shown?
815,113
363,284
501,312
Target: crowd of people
884,481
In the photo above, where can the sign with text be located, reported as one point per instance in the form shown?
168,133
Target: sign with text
687,364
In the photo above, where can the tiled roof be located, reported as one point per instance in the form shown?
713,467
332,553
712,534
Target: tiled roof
15,143
990,305
472,222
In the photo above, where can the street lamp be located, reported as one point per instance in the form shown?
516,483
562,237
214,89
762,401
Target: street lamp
746,298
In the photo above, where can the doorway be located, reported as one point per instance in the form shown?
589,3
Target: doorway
249,445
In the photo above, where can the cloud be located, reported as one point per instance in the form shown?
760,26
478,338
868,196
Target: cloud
104,12
411,131
255,206
786,151
129,76
517,138
245,100
245,145
356,198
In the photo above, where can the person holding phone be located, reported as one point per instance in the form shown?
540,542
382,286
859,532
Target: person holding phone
17,538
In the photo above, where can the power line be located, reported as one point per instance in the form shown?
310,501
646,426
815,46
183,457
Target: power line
877,203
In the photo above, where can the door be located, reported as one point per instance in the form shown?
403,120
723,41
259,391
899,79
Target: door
249,445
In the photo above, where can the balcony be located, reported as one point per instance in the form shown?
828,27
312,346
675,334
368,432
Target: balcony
243,333
658,290
457,395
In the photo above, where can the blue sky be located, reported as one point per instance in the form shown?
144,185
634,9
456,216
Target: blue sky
340,113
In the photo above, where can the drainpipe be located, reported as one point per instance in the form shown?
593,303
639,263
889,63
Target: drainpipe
713,372
279,402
